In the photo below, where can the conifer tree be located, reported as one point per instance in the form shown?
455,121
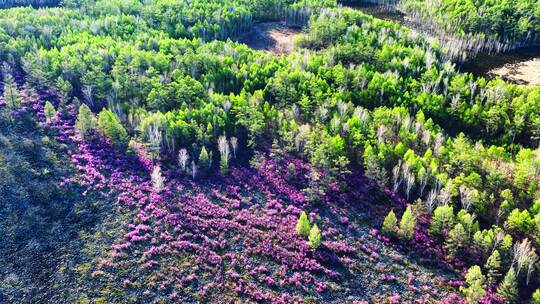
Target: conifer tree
49,112
476,287
407,224
456,238
110,127
11,93
303,224
86,121
314,239
442,220
509,288
205,161
493,266
390,224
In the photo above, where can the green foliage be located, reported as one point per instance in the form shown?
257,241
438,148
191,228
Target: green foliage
110,126
407,224
536,297
303,225
205,160
506,21
457,238
314,238
12,96
493,266
442,220
475,287
520,221
86,121
49,112
509,287
390,224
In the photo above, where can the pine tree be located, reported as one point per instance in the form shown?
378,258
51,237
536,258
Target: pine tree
11,93
476,287
49,112
509,288
314,239
390,224
204,160
456,238
303,224
110,127
407,223
493,266
86,121
442,220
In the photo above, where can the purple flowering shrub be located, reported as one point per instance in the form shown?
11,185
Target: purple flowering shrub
229,237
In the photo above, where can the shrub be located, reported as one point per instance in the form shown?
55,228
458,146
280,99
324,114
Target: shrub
476,287
314,239
390,224
303,225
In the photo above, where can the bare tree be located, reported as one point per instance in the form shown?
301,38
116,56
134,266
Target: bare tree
234,145
158,181
396,176
193,169
525,257
183,159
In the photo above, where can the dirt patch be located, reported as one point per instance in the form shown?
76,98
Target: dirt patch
526,72
273,37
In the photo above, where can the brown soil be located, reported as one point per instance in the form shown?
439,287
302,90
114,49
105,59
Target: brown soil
273,37
526,72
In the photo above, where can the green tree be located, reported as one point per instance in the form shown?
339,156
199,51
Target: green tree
86,121
407,224
476,285
205,160
11,93
493,266
314,239
303,224
457,237
49,112
509,288
390,224
536,297
110,127
520,221
442,220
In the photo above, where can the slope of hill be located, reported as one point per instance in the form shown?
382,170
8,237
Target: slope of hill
360,167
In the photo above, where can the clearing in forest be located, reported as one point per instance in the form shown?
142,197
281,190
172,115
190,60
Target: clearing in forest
274,37
526,72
